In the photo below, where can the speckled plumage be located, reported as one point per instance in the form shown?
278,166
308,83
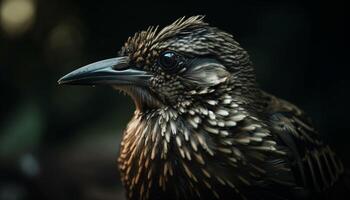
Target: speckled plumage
206,131
213,133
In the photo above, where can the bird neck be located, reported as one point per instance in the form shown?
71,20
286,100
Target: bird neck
164,147
142,97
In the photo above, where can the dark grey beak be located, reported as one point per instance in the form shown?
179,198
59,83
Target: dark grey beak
114,71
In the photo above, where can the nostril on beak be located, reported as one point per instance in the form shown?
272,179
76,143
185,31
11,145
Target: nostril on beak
120,67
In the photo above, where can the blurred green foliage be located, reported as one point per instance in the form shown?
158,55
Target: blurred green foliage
22,131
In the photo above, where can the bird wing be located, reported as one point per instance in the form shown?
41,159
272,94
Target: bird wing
315,165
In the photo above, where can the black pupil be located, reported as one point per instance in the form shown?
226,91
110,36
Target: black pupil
168,60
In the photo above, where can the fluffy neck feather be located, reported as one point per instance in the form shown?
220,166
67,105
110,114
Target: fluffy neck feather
142,97
165,149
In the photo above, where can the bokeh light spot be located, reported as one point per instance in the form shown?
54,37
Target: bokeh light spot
17,16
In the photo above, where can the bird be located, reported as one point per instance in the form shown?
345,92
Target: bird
202,126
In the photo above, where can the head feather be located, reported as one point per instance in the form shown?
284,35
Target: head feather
146,41
181,25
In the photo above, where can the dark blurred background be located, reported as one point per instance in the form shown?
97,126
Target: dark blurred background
62,142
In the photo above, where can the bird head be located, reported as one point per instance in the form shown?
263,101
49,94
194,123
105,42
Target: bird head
185,62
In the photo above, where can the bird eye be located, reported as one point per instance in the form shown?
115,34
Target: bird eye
168,60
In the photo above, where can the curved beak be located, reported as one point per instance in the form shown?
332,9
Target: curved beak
113,71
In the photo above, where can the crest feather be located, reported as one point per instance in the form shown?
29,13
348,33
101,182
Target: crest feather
146,40
181,25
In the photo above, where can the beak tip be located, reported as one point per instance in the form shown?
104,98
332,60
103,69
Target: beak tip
62,80
59,81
